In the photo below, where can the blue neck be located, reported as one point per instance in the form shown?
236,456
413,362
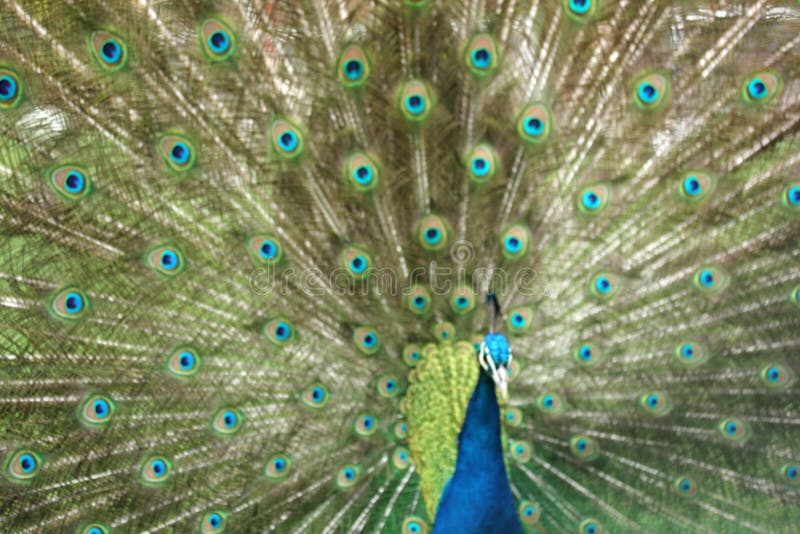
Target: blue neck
478,496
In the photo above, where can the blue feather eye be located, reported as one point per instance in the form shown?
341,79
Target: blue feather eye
650,90
286,139
361,172
761,87
696,185
520,320
656,403
216,39
534,123
155,471
590,526
790,473
108,50
481,55
183,362
685,486
587,354
528,512
513,417
69,303
347,476
580,10
411,355
734,430
279,331
604,285
432,232
177,151
401,430
691,353
401,458
710,279
70,182
794,296
415,100
10,89
516,241
414,525
278,467
418,300
520,451
213,522
388,386
315,396
777,376
481,163
166,260
367,340
22,465
94,528
550,404
583,448
265,249
791,197
227,421
96,410
356,262
593,199
365,425
352,67
462,300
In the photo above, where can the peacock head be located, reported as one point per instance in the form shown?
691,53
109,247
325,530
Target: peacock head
495,357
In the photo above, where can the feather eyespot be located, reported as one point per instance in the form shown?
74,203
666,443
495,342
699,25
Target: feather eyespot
367,340
481,164
761,87
587,354
361,172
685,486
347,476
95,528
217,40
520,451
656,403
415,100
696,185
794,296
388,386
365,425
96,410
605,285
227,421
356,262
401,458
183,362
10,89
776,376
22,465
278,467
550,404
108,50
415,525
212,522
580,10
70,182
462,300
286,139
401,430
534,123
583,448
315,396
444,331
791,197
418,300
69,303
529,512
710,279
651,90
691,353
513,417
515,241
155,471
411,355
265,249
590,526
177,151
790,473
481,55
520,320
735,430
279,331
165,260
593,199
432,232
352,67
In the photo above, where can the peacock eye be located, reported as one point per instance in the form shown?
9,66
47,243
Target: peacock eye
353,67
534,123
23,465
432,232
593,199
481,55
155,470
418,300
10,89
108,50
415,100
177,152
401,458
651,89
347,476
96,410
226,422
286,139
761,87
216,39
213,522
315,396
278,467
356,262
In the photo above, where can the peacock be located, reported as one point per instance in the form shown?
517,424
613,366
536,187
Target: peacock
402,266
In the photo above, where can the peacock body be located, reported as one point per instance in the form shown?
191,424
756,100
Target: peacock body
246,247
